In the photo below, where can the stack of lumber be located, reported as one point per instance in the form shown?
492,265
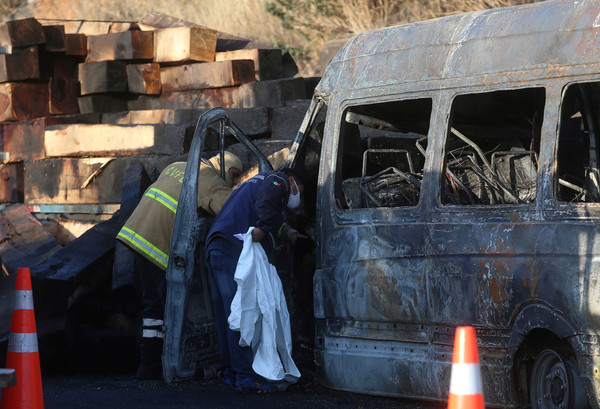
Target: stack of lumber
82,101
90,112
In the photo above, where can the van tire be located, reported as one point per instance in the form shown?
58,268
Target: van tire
555,383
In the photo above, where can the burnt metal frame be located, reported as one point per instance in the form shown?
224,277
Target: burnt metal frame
188,232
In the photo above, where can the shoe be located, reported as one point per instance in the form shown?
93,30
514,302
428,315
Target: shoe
249,385
230,382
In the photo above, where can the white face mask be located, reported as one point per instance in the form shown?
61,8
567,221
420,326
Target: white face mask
294,199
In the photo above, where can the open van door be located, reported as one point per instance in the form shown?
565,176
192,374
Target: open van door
190,337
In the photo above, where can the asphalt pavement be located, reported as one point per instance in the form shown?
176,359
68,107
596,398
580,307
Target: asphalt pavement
124,391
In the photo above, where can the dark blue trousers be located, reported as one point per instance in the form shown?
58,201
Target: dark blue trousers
222,260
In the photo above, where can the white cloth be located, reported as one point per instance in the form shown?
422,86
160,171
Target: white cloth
259,312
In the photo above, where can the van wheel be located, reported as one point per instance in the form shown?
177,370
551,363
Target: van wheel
555,383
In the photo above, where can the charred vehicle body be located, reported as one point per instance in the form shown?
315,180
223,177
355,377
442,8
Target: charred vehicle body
458,184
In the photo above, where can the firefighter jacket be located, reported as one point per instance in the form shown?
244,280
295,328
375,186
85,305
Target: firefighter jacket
149,228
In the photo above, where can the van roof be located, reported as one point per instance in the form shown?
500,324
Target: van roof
514,42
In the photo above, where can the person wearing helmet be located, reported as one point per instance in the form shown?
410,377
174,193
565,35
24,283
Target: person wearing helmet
148,232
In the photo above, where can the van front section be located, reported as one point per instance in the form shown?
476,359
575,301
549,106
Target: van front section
370,290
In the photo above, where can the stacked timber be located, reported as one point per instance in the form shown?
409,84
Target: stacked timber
90,113
82,101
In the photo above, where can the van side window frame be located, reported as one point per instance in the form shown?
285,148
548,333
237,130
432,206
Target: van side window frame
346,112
495,192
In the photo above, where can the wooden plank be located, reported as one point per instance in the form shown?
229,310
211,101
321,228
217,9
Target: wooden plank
267,62
20,33
21,100
126,45
254,122
144,78
63,96
75,270
86,27
79,180
66,230
207,75
183,44
90,118
271,93
55,38
225,42
263,93
11,182
287,119
113,140
26,241
98,103
119,27
76,44
59,65
23,140
22,64
102,76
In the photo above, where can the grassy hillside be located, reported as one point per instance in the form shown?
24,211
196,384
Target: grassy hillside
302,26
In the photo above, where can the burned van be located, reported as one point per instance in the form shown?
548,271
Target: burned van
459,185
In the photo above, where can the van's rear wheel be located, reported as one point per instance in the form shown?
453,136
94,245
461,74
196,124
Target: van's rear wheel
555,383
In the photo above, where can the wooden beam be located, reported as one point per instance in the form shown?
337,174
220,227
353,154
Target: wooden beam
254,122
27,242
55,38
184,44
63,96
113,140
207,75
63,66
144,78
11,182
22,64
76,44
66,230
21,100
20,33
102,76
23,140
263,93
99,103
79,180
126,45
267,62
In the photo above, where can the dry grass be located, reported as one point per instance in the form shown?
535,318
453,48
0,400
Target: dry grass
309,28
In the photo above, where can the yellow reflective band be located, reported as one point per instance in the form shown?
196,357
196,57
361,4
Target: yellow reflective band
162,198
144,245
280,231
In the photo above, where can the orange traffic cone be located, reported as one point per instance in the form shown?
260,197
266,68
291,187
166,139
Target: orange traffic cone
466,390
23,355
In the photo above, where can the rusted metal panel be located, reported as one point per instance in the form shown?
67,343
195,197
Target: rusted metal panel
540,36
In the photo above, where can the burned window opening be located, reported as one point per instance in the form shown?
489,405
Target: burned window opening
578,155
492,148
382,154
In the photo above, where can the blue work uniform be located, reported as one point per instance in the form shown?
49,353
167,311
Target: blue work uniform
259,202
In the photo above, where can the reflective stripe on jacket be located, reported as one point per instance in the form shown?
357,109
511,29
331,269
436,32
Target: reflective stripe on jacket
149,228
